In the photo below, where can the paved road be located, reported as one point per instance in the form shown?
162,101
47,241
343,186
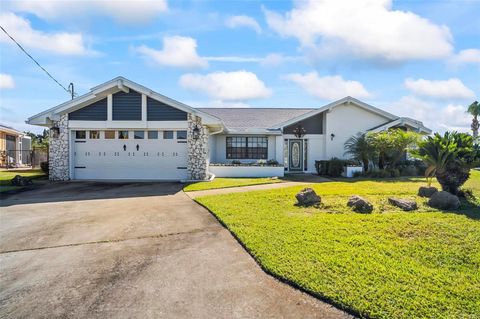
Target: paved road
131,250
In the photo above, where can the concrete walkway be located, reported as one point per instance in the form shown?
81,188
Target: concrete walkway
132,250
241,189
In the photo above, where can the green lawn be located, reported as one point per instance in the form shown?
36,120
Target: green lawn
388,264
7,175
228,182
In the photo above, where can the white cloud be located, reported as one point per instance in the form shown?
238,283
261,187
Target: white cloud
328,87
177,51
55,42
123,11
447,89
468,56
275,59
6,81
227,86
364,28
243,21
438,117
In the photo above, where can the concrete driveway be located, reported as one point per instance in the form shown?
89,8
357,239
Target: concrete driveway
131,250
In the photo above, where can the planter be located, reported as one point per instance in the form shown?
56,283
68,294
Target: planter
246,171
349,171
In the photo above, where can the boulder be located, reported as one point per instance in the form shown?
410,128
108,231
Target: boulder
427,191
360,205
444,200
405,204
21,181
308,197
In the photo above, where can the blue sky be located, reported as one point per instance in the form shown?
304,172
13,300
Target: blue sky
413,58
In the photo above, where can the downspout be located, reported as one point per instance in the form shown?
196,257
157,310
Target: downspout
211,176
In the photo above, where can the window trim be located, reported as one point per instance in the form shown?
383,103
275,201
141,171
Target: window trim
248,152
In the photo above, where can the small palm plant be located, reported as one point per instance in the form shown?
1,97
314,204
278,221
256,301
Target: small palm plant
449,158
359,148
474,110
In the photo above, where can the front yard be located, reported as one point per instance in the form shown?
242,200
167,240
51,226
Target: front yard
7,175
229,182
388,264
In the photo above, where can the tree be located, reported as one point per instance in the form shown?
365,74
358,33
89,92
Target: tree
39,140
450,158
474,110
391,145
360,149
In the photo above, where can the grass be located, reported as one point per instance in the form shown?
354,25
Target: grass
388,264
229,182
7,175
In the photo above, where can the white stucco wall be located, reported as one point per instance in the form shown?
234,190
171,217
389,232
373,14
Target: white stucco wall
345,121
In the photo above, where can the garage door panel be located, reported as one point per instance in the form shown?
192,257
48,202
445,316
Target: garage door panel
119,159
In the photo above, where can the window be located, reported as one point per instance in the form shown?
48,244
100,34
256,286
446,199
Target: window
247,147
80,135
123,135
109,135
94,135
138,135
152,135
167,135
181,135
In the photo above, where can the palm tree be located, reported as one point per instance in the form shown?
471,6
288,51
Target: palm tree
360,149
474,110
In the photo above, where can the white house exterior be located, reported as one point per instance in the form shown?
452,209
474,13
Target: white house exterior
121,130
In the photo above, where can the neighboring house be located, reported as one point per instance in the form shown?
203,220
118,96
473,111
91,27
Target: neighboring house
122,130
15,147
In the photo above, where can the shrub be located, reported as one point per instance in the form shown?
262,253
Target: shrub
409,170
450,158
321,167
272,162
44,167
236,162
335,167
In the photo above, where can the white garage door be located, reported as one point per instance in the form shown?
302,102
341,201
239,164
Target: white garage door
135,159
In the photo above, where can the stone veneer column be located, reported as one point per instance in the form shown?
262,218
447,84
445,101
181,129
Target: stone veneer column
197,164
58,161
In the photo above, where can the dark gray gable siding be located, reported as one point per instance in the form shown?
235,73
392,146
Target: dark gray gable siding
159,111
127,106
312,125
94,112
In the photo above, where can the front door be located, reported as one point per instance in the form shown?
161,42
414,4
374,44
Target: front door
295,156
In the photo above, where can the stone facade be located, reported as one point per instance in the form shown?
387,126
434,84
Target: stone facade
58,161
197,164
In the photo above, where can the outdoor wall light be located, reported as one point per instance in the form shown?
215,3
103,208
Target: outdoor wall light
196,132
299,131
54,131
332,136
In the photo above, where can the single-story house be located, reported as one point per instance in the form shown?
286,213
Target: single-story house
15,147
123,130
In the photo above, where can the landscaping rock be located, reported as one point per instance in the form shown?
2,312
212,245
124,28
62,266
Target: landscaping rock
405,204
427,191
308,197
360,205
21,181
444,200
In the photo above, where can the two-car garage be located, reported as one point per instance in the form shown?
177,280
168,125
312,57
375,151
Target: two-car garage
129,154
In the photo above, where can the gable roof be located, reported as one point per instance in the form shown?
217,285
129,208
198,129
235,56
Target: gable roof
402,121
101,91
330,106
241,119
